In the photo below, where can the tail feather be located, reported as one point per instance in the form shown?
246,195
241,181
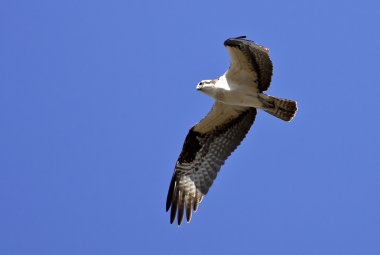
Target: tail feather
284,109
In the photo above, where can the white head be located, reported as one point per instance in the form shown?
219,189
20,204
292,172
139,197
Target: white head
207,86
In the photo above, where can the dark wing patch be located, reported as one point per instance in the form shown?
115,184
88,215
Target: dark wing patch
190,147
257,58
201,158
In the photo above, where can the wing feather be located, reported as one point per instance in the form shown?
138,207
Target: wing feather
181,204
249,62
174,204
188,209
206,147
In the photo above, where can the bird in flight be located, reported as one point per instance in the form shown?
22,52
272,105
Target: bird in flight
238,93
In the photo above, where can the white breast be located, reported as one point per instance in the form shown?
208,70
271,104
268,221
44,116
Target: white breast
233,93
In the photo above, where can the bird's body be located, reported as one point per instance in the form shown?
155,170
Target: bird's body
230,92
238,93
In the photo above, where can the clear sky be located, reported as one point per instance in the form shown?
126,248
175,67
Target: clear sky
96,98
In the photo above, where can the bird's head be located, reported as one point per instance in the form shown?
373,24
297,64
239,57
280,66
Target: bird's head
207,86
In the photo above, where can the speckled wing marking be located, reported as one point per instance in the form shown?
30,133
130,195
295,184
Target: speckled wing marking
249,61
206,147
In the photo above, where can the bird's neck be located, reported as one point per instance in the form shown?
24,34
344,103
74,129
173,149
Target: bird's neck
222,83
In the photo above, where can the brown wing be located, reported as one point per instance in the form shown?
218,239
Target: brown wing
207,145
249,62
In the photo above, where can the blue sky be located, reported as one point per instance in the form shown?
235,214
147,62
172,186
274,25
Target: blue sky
96,98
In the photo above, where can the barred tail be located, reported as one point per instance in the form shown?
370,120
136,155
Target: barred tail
284,109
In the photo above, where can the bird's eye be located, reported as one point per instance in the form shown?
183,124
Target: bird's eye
201,83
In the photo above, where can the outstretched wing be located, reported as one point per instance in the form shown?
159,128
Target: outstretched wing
207,145
250,63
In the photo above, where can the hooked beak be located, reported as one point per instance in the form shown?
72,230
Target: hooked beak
199,87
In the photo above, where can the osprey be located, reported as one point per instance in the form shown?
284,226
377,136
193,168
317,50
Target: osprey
238,93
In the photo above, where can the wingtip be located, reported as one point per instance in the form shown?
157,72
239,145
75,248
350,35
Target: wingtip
169,198
189,210
172,215
232,40
181,206
168,204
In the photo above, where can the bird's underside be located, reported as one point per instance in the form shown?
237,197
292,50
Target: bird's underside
209,142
